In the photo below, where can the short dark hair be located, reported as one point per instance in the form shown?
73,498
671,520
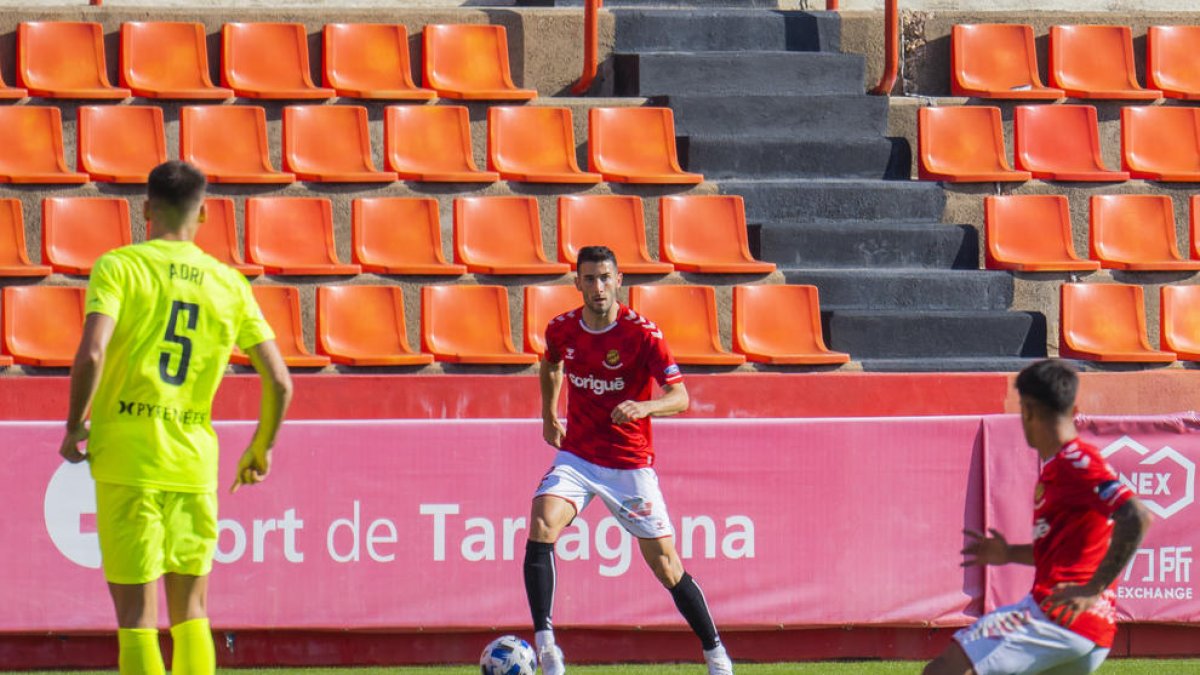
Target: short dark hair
596,254
176,184
1051,383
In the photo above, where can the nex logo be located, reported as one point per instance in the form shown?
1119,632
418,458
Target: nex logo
1162,495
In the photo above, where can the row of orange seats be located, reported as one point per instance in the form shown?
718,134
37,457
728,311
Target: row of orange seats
363,325
400,235
1107,322
1032,233
1000,61
169,60
965,144
331,143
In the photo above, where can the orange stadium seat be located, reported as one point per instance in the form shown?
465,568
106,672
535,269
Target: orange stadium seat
64,59
470,61
168,60
1136,233
43,324
329,143
431,144
1106,322
1179,321
615,221
687,316
534,145
368,60
1161,143
963,145
996,60
707,233
399,235
293,235
501,235
228,143
121,143
280,306
14,259
8,93
78,230
635,145
217,236
1031,233
781,324
364,326
269,61
468,324
31,146
542,304
1060,142
1095,62
1172,62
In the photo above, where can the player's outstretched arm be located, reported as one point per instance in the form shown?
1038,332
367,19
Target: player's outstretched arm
85,377
994,550
550,377
276,396
673,401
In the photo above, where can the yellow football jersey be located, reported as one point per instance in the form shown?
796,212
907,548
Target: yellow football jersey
178,313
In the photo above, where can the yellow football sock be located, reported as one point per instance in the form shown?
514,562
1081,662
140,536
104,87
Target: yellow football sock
194,650
139,652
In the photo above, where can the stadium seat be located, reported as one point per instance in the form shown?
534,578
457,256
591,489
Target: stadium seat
542,304
615,221
1060,142
78,230
1095,62
368,60
121,143
167,60
329,143
293,236
501,235
31,146
1172,62
687,316
398,235
5,361
534,145
268,61
431,144
8,93
1161,143
43,324
1179,321
217,236
468,324
780,324
1031,233
996,60
64,59
707,234
1136,233
280,306
228,143
963,144
14,259
470,61
1106,322
364,326
635,145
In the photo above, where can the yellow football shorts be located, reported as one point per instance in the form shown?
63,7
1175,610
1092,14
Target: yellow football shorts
145,533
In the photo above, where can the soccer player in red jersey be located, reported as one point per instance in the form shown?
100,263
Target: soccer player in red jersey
609,358
1086,527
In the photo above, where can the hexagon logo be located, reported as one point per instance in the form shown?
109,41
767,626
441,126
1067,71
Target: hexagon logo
70,496
1165,481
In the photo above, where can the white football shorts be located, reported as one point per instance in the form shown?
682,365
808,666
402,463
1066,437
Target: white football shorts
631,495
1019,638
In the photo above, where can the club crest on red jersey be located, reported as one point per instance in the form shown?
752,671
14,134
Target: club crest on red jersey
612,360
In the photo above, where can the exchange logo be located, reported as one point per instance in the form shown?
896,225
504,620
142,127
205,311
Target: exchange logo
70,513
1165,480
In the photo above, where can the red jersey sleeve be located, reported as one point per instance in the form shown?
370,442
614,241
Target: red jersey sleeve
554,340
658,358
1090,482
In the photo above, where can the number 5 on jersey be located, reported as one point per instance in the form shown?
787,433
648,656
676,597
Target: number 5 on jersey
185,343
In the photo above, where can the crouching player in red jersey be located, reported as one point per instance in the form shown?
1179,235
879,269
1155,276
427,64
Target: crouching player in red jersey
609,357
1086,527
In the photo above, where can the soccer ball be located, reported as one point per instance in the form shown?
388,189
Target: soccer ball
508,655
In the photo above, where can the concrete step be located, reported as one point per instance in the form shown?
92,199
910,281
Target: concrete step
842,116
725,30
750,157
870,245
742,72
991,364
913,289
803,200
941,336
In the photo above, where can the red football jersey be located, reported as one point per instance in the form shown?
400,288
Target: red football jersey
601,370
1076,495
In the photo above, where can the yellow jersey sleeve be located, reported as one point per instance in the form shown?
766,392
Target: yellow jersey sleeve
253,329
104,291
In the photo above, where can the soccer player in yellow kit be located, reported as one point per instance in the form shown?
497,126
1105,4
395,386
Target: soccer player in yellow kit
162,318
